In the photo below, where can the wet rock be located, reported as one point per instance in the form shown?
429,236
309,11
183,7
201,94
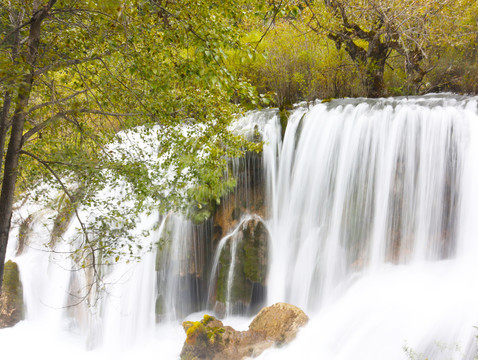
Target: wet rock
248,289
210,339
11,300
247,197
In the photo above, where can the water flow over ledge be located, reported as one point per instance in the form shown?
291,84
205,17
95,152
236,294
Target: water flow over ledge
372,223
374,204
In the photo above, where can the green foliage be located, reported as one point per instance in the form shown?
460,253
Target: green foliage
110,71
298,67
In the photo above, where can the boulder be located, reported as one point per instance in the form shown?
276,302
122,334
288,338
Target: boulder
279,322
210,339
11,300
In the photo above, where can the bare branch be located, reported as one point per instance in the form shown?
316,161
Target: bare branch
276,11
14,31
66,63
73,201
40,127
64,115
106,113
55,102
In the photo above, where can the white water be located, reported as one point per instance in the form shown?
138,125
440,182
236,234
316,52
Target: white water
357,194
374,228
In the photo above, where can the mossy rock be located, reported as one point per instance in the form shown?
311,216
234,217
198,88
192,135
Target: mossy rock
209,339
250,265
255,252
11,300
203,338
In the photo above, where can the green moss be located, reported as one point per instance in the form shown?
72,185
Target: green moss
11,279
207,319
195,328
284,119
214,335
250,265
241,288
224,261
11,304
202,332
159,306
254,252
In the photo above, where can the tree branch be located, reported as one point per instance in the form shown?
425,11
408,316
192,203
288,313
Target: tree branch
14,31
64,114
66,63
72,200
276,11
55,102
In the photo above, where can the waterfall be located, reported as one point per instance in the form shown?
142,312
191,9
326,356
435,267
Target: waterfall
373,227
365,215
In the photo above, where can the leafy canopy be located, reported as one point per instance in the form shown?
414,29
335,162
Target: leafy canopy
117,82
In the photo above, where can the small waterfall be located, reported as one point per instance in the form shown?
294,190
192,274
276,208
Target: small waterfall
233,287
232,241
182,264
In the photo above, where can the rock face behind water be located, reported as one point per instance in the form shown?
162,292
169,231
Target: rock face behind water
11,300
209,339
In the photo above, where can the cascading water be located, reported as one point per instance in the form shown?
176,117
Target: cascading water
371,222
372,202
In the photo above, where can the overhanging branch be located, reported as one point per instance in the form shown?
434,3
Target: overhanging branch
55,102
66,63
72,200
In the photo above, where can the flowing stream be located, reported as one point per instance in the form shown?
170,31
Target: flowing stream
372,216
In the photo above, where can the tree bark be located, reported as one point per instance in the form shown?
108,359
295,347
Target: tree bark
10,171
374,83
17,19
371,62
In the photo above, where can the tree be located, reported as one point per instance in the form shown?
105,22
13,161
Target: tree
77,74
371,31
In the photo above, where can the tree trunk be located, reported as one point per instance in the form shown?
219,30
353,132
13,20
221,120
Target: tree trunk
15,143
7,99
374,84
370,62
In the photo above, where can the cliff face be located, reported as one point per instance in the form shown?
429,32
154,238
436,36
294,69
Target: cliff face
242,269
187,251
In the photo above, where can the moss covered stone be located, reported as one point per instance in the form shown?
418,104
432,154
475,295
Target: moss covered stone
209,339
250,265
203,338
255,252
11,300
